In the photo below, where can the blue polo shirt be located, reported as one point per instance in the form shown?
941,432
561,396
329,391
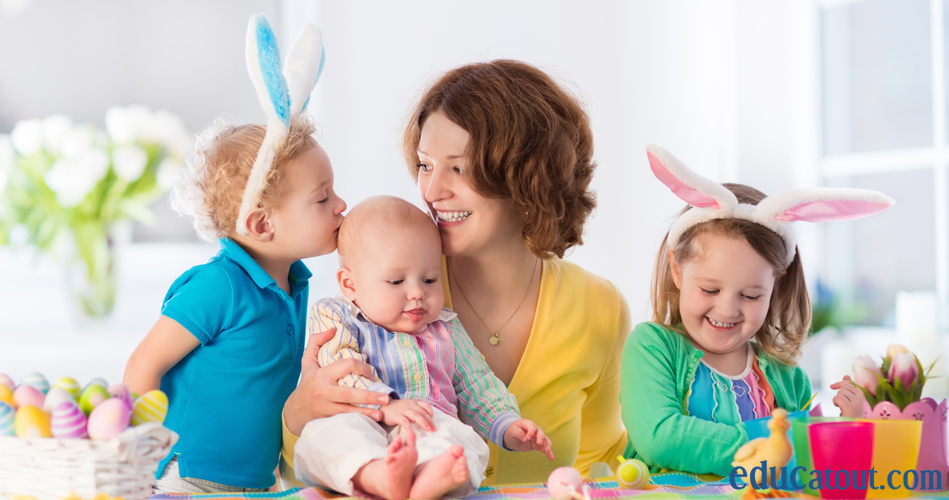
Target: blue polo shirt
226,396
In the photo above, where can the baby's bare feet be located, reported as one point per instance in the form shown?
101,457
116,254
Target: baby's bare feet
441,474
400,466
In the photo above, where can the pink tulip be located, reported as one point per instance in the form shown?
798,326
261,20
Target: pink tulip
865,373
903,366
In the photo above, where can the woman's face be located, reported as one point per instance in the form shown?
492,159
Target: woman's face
468,222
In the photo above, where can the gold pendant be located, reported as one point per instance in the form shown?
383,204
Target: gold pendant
494,340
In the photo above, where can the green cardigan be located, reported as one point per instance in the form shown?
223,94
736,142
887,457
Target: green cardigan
658,367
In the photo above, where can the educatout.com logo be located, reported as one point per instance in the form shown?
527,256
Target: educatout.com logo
762,477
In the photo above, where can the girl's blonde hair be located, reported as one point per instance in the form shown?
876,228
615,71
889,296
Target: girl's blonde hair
789,314
211,185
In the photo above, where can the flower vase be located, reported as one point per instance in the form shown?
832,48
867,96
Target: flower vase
932,448
92,271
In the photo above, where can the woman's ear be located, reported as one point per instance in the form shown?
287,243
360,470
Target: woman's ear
674,267
259,227
344,277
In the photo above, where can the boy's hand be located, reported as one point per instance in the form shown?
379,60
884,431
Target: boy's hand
849,398
524,435
405,411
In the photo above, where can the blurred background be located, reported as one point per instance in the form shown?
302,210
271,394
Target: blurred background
776,94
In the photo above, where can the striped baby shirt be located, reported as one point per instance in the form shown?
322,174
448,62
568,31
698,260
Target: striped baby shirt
438,364
718,397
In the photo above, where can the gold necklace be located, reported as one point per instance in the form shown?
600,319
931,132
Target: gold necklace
495,339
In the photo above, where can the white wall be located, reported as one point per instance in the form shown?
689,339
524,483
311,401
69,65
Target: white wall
717,82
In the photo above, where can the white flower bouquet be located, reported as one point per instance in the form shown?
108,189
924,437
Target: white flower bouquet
66,186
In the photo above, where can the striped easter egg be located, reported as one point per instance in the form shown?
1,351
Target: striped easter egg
70,385
7,415
6,395
121,391
7,381
632,474
151,407
36,380
96,381
55,397
68,421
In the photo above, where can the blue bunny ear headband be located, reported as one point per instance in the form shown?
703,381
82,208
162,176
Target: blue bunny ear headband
283,93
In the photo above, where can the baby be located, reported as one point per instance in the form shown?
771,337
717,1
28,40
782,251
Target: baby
390,315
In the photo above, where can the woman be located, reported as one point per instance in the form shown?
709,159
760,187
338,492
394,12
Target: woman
503,158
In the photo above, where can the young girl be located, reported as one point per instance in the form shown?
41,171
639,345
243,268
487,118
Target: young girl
228,345
727,273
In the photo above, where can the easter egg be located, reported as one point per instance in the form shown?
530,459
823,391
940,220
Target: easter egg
7,414
6,380
36,380
70,385
68,421
109,419
151,407
6,395
121,391
91,397
564,482
632,473
96,381
54,397
31,422
27,395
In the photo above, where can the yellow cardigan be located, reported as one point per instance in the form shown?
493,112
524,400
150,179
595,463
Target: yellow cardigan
567,381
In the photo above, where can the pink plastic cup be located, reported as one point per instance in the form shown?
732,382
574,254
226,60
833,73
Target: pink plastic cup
846,449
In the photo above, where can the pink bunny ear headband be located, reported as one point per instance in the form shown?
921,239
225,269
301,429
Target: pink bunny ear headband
283,93
710,200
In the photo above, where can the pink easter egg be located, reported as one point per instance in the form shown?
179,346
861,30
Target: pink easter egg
7,381
27,395
563,482
121,391
109,419
68,421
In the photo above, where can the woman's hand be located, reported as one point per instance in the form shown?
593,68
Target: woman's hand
319,394
524,435
849,398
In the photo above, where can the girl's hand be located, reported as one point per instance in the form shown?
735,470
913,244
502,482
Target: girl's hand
524,435
849,398
319,394
406,411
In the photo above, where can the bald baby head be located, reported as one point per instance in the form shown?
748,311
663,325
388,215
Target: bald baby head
375,222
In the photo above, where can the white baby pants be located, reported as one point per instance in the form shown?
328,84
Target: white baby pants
331,450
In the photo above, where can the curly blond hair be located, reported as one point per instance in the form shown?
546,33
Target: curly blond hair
211,184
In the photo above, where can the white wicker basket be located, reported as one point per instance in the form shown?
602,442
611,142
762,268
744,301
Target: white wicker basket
50,469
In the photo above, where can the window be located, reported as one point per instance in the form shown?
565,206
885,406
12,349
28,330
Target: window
883,66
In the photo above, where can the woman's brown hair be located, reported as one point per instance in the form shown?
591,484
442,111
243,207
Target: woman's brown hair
530,142
789,314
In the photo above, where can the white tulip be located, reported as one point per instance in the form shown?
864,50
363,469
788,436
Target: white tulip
55,128
126,124
7,153
129,162
95,164
70,183
78,141
167,173
27,137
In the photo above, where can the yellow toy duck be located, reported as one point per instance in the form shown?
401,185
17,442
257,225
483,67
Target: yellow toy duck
775,449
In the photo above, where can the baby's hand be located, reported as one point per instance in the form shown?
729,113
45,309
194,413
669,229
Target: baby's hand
524,435
849,398
405,411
